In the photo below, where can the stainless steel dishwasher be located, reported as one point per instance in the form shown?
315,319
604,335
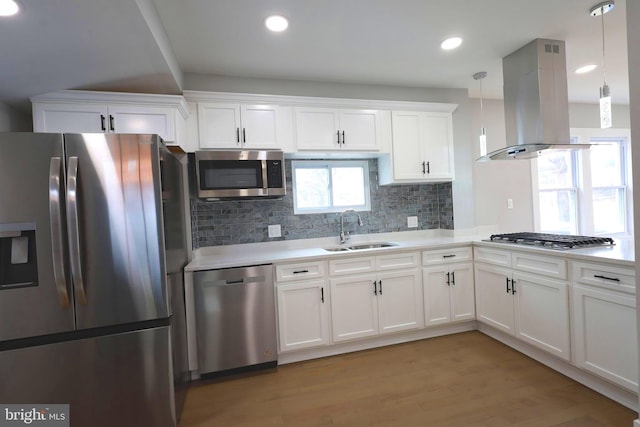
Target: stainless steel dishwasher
235,319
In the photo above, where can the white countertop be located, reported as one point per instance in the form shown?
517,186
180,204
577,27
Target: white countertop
208,258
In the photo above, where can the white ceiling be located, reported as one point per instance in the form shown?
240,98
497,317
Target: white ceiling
118,45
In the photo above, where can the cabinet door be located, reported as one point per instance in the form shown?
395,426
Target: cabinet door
407,146
303,315
463,303
259,126
359,130
354,307
135,119
316,129
542,313
437,304
72,118
494,305
219,125
604,330
400,301
438,145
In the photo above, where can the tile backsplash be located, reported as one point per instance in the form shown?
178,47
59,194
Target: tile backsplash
216,223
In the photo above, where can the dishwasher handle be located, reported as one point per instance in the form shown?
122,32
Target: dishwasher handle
233,281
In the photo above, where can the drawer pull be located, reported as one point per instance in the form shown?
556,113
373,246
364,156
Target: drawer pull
300,271
449,256
613,279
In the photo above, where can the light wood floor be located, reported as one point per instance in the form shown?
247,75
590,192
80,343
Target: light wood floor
458,380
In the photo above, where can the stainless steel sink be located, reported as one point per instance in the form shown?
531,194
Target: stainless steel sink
371,246
360,246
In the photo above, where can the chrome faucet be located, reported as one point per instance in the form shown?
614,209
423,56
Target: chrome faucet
345,236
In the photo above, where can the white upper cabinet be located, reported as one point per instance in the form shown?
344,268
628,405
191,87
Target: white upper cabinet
107,112
227,125
329,129
422,148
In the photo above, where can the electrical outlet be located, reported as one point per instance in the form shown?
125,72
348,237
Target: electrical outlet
275,231
509,203
412,222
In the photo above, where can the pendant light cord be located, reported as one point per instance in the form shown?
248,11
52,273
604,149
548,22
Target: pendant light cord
604,66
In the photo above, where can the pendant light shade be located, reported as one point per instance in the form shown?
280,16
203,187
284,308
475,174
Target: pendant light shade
605,96
483,132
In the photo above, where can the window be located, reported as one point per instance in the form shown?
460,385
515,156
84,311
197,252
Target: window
558,192
609,186
321,186
586,191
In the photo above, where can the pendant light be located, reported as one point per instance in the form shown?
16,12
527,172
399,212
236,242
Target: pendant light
605,96
483,132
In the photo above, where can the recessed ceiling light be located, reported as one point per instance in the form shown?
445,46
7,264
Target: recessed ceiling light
451,43
8,7
586,69
276,23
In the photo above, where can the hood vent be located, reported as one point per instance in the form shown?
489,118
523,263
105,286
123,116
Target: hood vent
536,101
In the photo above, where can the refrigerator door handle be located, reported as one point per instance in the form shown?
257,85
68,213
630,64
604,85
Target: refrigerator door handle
55,216
74,230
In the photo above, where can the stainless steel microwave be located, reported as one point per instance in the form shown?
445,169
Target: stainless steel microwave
239,174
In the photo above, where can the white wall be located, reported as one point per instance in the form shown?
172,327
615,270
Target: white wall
462,187
13,120
496,181
588,116
633,35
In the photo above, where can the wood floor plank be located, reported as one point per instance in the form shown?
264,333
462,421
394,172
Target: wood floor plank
459,380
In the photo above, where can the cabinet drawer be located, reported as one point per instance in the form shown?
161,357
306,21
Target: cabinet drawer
398,261
300,271
545,266
351,266
446,256
605,276
492,256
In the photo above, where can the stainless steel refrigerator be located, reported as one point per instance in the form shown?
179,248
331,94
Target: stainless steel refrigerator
92,247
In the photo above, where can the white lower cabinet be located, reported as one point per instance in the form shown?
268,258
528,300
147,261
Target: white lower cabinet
354,307
494,302
375,303
604,329
448,293
532,307
303,315
303,302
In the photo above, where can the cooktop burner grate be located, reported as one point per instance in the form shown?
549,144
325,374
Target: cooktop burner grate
553,241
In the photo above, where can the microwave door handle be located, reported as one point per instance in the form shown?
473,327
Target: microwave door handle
55,218
74,230
265,184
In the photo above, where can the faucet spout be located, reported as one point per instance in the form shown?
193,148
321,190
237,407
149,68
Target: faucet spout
345,236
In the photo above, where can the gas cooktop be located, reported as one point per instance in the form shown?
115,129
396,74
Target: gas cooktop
552,241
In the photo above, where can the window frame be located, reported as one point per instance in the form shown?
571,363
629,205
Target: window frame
329,164
574,188
585,218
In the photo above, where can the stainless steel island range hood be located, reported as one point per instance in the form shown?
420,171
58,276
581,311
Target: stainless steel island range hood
536,102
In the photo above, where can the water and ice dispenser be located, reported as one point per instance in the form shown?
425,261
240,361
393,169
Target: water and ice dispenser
18,261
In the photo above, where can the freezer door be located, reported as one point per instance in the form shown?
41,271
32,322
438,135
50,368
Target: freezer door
122,380
114,221
35,290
